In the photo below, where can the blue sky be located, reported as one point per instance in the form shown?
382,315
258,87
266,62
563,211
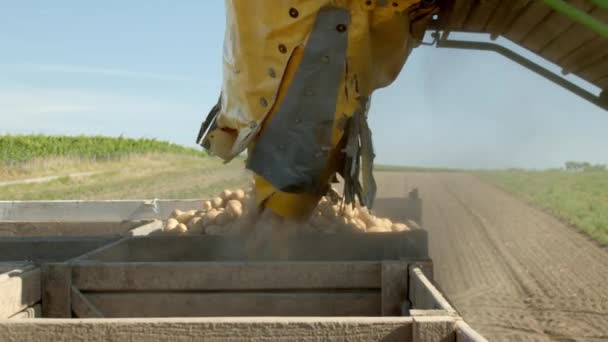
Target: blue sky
153,69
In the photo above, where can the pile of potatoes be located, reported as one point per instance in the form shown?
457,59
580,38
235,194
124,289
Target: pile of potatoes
235,212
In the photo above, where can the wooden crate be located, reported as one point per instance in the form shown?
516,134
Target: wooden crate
20,293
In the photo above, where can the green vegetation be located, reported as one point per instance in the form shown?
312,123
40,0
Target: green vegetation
15,149
579,198
162,175
115,168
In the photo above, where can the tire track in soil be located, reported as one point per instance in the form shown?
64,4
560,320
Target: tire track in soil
514,272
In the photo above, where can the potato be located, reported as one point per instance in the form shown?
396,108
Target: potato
181,228
207,205
171,224
239,194
387,222
176,213
399,227
223,218
209,218
217,202
234,208
377,229
226,195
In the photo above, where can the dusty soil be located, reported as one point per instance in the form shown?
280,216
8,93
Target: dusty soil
515,273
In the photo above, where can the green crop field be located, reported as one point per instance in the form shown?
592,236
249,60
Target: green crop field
88,168
579,198
22,148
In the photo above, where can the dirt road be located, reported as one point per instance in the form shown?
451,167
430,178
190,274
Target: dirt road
514,272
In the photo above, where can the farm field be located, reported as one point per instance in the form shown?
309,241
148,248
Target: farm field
578,198
118,169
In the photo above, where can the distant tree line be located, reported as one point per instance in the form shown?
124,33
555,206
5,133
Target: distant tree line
584,166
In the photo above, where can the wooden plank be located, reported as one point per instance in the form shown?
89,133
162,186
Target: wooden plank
552,27
27,229
587,54
91,276
153,227
602,83
575,37
306,247
504,16
49,249
460,12
424,295
34,311
480,15
91,211
19,291
527,20
218,304
82,307
464,333
439,329
111,252
56,290
596,71
260,329
394,287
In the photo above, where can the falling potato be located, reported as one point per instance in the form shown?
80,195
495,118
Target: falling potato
236,212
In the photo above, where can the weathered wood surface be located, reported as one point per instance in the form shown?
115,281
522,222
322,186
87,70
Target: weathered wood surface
394,287
424,295
83,308
464,333
34,311
410,245
300,329
49,249
436,329
79,211
150,228
91,276
56,290
217,304
29,229
19,291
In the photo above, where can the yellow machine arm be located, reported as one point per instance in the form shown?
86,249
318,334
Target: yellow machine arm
298,78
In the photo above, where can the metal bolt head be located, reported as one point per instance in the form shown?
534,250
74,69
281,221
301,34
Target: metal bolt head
282,48
263,102
341,28
293,12
272,73
325,59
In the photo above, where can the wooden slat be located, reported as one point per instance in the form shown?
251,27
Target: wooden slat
602,83
588,54
56,291
552,27
18,292
82,307
225,276
464,333
27,229
480,15
441,329
424,295
394,287
34,311
460,12
218,304
526,21
261,329
504,15
598,70
575,42
49,249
